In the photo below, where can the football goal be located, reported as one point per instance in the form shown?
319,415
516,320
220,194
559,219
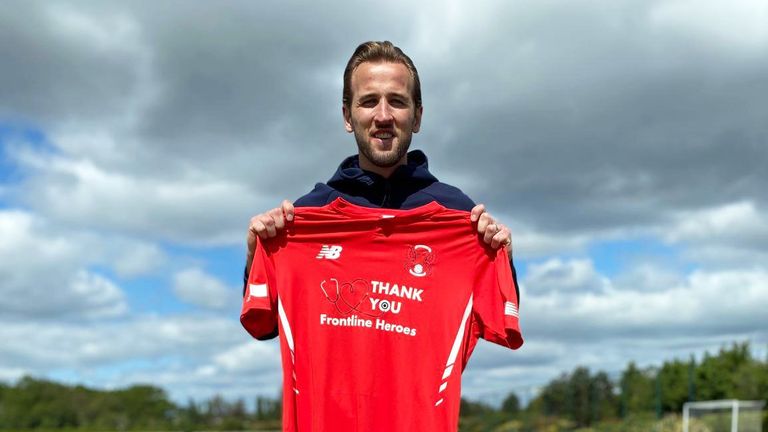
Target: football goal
723,416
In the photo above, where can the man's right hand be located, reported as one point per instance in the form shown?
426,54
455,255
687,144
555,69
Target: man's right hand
266,225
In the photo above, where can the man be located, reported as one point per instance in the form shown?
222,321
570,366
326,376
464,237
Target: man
382,108
376,338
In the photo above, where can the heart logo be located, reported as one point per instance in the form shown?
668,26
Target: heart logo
348,297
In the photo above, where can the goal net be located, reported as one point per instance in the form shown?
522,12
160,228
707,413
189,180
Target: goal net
723,416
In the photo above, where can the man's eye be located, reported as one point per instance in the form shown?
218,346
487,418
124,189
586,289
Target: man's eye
399,103
368,103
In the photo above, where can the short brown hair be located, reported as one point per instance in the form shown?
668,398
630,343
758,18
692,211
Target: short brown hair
376,52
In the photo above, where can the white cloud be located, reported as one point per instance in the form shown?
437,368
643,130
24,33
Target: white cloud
249,358
190,356
41,345
738,222
730,235
44,273
708,303
649,275
134,258
196,287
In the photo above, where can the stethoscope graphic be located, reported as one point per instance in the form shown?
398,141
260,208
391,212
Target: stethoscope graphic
350,308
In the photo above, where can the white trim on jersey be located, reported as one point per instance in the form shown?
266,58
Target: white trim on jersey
455,348
286,325
257,290
460,333
510,308
288,339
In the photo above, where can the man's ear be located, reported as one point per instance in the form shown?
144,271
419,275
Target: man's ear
417,119
347,118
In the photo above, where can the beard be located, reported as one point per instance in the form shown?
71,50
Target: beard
382,159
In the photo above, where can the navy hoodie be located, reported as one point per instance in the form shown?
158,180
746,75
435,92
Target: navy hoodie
409,186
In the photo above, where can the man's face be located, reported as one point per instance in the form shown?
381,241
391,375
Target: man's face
382,113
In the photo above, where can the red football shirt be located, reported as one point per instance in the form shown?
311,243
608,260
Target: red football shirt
379,311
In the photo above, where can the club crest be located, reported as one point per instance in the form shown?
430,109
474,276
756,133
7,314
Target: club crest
419,261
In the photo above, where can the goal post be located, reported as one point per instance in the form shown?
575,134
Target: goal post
745,416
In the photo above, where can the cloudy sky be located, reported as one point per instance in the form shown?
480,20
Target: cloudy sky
625,143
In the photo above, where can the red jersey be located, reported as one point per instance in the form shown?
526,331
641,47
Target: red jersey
378,311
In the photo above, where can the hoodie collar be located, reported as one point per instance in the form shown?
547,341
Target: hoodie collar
405,180
417,168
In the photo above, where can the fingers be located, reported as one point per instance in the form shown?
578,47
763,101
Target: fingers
287,207
483,221
476,212
258,226
493,233
502,237
275,222
268,224
252,235
490,231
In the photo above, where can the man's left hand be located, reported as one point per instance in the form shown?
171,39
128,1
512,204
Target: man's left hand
494,234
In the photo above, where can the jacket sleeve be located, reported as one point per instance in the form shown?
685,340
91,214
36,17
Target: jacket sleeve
514,279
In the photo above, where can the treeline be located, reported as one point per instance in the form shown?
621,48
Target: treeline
589,400
638,399
37,404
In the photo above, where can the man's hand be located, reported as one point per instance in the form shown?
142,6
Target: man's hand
494,233
266,225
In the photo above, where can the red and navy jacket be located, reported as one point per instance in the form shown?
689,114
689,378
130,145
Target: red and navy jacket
409,186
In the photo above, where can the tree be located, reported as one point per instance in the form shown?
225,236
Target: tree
715,374
579,397
673,383
469,408
35,403
604,401
554,398
511,404
145,406
268,408
637,389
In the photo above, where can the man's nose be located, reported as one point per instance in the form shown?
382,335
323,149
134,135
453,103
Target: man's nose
383,113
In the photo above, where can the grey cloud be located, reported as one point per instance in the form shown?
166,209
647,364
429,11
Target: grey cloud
51,74
606,126
243,79
238,96
589,120
576,276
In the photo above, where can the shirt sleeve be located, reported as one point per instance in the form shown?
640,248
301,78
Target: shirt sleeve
259,311
495,303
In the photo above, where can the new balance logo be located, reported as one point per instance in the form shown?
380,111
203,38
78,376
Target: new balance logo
329,252
510,309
